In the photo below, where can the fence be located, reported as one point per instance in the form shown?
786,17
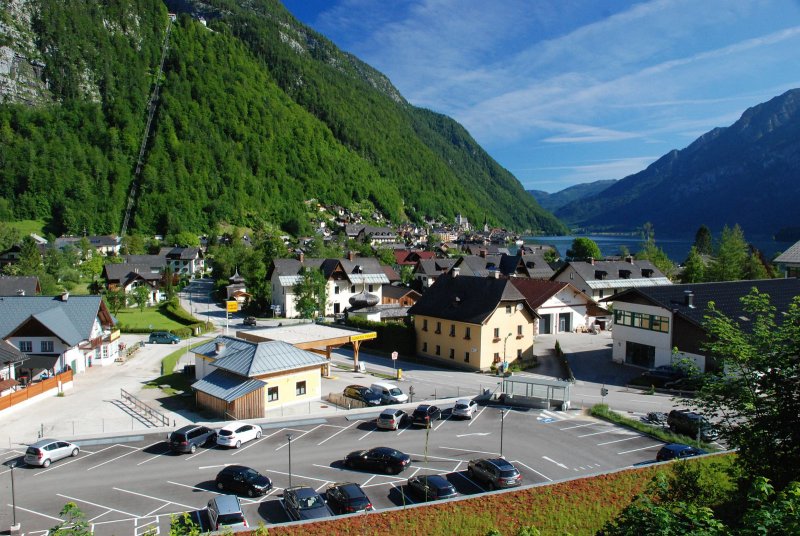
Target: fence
152,415
34,389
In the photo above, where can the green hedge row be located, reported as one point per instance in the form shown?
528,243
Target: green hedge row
392,336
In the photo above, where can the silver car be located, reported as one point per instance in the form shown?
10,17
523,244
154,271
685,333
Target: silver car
465,408
46,451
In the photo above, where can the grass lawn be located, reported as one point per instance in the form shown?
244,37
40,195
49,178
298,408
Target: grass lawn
173,381
150,318
27,227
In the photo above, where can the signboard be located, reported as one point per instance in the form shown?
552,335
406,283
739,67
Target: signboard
232,306
394,356
363,336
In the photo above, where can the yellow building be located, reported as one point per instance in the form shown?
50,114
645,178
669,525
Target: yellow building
473,322
241,379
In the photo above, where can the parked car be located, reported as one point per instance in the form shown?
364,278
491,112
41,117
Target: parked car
495,473
46,451
163,337
302,502
225,511
661,376
363,394
390,393
391,419
249,321
465,408
690,424
347,498
677,450
236,433
191,436
425,414
385,459
431,487
241,479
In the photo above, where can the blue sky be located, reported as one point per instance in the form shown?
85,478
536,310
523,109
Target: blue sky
562,92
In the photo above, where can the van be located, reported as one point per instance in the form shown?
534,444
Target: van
163,337
225,511
691,424
389,392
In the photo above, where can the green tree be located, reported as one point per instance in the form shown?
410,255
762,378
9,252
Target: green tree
583,248
731,256
310,293
754,395
651,252
30,260
116,299
694,268
550,256
407,275
702,240
771,513
73,522
754,267
133,244
85,247
141,295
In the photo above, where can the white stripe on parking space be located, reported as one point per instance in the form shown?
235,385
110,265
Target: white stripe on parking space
472,420
113,459
534,470
252,443
339,432
579,426
471,450
97,505
619,440
298,437
37,513
598,433
636,450
365,435
165,501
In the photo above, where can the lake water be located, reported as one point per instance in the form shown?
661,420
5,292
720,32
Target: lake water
676,248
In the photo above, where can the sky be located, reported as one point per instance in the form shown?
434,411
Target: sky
562,92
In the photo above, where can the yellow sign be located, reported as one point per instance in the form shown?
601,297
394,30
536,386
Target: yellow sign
364,336
233,306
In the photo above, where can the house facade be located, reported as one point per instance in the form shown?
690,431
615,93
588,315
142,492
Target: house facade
651,322
185,261
788,262
473,322
129,277
602,279
561,307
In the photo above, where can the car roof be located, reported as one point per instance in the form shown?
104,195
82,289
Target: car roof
436,480
43,442
350,489
467,401
392,411
234,425
236,468
677,447
188,428
227,503
302,492
500,463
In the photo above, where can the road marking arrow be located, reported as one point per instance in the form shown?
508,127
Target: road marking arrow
555,462
476,433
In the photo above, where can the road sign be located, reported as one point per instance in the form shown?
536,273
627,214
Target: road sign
232,306
394,356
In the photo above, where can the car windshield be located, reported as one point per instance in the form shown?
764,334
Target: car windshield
387,415
307,503
251,474
395,392
461,406
225,432
231,519
508,473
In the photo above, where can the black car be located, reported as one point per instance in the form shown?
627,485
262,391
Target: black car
241,479
662,376
691,424
677,450
425,414
249,321
495,473
363,394
431,487
188,438
347,498
302,502
385,459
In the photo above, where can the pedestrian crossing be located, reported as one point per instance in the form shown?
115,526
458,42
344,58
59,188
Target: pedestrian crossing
546,416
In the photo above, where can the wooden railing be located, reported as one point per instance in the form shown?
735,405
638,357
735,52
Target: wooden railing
34,389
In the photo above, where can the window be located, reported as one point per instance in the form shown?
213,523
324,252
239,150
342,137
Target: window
519,353
424,346
353,289
336,289
508,309
47,347
641,355
25,346
438,327
452,353
369,287
452,330
424,324
642,321
466,357
467,332
571,276
438,350
496,333
519,331
300,388
272,394
497,357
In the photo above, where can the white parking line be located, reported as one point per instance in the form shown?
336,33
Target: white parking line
579,426
153,457
198,453
619,440
62,464
113,459
296,476
36,513
339,432
474,417
166,501
468,479
532,469
369,480
470,450
598,433
97,505
100,515
322,486
152,512
418,467
253,443
431,456
303,433
406,498
365,435
404,429
441,423
636,450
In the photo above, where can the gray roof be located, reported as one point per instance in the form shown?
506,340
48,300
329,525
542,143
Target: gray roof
153,261
127,272
790,256
616,270
184,254
434,267
13,285
250,359
10,354
70,320
227,386
360,270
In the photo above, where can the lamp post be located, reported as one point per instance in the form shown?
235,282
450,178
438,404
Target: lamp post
505,363
289,438
502,421
12,464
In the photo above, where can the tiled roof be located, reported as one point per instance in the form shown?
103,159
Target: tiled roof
152,261
397,292
361,270
536,291
125,273
725,295
791,255
252,359
184,254
616,269
434,267
72,320
12,285
226,385
9,353
466,299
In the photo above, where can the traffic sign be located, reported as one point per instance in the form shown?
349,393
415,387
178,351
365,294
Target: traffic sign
394,356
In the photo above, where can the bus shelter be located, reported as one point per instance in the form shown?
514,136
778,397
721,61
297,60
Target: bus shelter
537,392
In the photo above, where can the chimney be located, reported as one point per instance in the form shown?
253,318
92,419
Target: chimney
455,271
64,296
688,298
482,253
351,255
496,274
590,260
302,257
220,347
629,259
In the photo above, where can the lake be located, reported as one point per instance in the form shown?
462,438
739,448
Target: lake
676,248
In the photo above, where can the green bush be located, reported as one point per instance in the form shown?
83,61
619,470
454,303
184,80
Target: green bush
392,336
602,411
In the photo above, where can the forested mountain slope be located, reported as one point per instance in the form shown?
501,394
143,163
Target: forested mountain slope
746,173
257,113
556,200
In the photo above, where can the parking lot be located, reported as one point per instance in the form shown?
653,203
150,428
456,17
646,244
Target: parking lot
133,487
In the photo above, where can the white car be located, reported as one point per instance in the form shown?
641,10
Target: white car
236,433
465,408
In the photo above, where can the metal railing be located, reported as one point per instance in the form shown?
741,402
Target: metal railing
152,415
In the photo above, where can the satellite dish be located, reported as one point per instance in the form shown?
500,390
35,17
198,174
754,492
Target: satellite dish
519,306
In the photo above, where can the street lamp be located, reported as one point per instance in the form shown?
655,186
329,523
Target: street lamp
505,364
12,464
289,437
502,421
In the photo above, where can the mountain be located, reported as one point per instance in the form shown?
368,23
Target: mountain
744,174
554,201
256,114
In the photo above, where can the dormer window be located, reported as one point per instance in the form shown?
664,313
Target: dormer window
647,272
624,274
600,274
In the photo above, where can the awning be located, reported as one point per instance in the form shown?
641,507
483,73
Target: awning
39,362
7,384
